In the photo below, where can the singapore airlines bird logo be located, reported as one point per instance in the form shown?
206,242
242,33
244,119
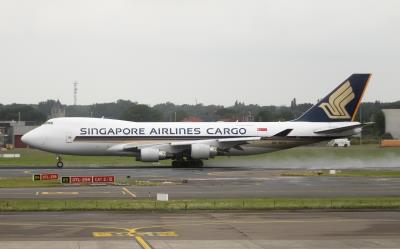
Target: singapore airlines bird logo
336,108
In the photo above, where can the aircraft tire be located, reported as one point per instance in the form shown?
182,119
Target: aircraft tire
187,163
199,163
195,163
60,165
177,164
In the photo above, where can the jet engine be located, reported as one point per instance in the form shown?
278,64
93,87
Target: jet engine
203,151
152,155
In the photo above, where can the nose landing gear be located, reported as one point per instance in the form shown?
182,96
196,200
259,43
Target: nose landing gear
60,163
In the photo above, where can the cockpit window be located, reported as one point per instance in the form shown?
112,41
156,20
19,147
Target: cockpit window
48,123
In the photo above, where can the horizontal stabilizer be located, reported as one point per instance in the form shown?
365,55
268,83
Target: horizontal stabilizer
342,129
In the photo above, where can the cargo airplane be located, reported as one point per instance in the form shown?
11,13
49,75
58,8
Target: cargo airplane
188,143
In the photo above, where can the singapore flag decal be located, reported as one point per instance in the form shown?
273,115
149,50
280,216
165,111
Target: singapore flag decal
262,129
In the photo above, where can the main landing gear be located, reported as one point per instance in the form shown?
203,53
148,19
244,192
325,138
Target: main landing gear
197,163
60,163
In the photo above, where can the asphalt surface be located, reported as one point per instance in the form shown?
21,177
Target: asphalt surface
200,230
204,183
92,230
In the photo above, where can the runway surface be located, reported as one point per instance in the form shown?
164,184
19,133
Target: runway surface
205,183
200,230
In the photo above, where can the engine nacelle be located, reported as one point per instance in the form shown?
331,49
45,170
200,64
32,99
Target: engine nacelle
203,151
152,155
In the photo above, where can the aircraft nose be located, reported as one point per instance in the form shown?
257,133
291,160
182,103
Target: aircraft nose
33,138
27,138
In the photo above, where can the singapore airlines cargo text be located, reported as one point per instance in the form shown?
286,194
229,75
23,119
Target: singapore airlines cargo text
162,131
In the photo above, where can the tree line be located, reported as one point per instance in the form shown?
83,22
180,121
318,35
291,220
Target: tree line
170,112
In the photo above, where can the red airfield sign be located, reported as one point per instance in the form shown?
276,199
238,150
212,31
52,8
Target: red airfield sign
103,179
81,179
45,177
87,179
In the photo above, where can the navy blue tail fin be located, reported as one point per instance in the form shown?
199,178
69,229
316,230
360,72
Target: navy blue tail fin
341,104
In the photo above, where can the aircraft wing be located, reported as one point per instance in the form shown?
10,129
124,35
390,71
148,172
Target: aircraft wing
222,143
219,140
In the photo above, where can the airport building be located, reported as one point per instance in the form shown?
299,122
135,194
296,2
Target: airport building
12,131
392,122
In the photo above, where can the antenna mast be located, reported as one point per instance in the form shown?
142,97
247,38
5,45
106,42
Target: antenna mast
75,92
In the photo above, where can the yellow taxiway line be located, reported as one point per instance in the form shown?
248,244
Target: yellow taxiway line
129,192
142,242
139,239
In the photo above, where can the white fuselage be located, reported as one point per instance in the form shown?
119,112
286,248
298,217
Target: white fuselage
95,136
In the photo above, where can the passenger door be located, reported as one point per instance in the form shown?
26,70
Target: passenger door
69,138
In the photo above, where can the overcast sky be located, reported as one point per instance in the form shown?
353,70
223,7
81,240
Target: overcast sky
218,51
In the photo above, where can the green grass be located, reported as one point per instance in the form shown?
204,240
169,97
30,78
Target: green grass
228,204
370,173
26,182
36,158
363,152
346,172
150,183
